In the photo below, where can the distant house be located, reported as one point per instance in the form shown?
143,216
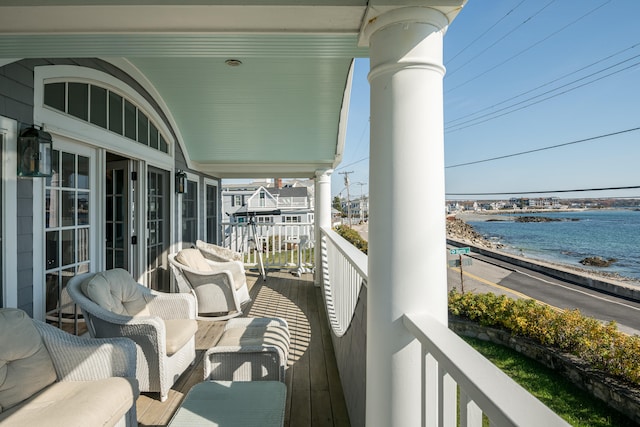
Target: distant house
357,208
291,203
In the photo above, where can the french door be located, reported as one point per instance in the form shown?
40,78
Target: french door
211,213
119,216
69,218
158,236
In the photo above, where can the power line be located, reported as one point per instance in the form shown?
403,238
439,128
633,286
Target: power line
544,84
527,48
485,32
501,38
493,116
353,163
543,148
521,152
631,187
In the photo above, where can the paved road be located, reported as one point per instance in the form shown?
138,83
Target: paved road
490,275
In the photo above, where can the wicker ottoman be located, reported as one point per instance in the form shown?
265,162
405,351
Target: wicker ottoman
249,349
226,403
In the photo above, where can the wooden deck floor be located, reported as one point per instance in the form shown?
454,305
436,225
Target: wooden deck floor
314,392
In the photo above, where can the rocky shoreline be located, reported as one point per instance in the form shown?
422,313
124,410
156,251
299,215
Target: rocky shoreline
458,229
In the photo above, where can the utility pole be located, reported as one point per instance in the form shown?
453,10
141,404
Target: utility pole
361,204
346,184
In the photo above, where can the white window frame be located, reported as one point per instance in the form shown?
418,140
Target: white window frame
8,129
72,127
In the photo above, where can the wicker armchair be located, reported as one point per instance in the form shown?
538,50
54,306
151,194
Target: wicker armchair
220,288
56,378
163,326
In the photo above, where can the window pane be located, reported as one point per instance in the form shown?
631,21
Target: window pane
54,179
68,170
118,236
115,113
99,106
143,128
163,145
83,244
52,280
52,208
118,181
83,208
129,120
82,176
55,95
68,208
52,250
68,247
153,136
79,100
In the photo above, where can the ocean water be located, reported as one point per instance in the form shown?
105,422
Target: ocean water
604,233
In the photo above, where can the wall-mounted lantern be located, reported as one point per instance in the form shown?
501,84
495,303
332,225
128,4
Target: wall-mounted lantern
34,153
181,182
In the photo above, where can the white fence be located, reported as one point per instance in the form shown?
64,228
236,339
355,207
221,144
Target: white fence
449,368
283,245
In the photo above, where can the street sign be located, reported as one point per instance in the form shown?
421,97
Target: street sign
456,262
460,251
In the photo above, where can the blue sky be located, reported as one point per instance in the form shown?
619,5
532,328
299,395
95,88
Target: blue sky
504,59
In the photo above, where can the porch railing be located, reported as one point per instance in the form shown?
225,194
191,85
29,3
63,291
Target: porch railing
344,272
284,245
458,384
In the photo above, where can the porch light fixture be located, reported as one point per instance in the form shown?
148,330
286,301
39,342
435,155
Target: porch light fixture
34,153
233,62
181,182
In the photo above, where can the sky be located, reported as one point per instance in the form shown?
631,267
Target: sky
560,78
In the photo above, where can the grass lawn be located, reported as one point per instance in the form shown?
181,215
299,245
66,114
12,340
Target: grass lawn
574,405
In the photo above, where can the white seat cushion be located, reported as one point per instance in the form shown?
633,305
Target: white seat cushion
179,331
75,403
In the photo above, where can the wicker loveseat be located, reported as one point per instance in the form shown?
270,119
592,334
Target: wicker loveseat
51,378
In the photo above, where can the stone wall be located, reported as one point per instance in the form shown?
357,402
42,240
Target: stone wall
618,395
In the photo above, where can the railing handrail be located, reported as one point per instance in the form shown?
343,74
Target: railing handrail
503,400
358,259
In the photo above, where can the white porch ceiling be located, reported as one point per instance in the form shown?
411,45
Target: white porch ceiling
280,113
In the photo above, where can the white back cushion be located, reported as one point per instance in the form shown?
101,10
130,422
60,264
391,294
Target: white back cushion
192,258
116,291
25,364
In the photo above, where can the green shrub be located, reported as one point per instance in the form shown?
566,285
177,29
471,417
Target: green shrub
603,346
353,237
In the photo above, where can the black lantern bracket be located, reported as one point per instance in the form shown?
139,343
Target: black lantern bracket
34,153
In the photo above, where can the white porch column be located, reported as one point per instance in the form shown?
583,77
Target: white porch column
407,258
322,216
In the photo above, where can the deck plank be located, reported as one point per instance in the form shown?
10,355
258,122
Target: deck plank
300,387
314,393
